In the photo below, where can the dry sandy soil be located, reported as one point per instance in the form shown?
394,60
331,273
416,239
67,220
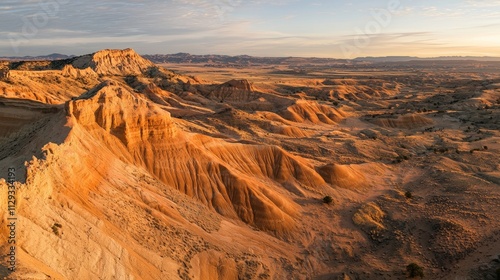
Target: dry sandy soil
127,170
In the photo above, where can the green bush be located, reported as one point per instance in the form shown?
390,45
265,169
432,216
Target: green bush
328,199
414,270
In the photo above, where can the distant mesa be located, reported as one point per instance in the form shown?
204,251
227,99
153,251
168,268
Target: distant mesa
78,74
114,62
105,62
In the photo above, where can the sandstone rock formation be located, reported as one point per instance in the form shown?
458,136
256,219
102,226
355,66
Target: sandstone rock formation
233,179
234,91
114,62
75,73
127,170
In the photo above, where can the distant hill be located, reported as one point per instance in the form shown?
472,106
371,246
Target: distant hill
54,56
242,60
252,60
246,60
414,58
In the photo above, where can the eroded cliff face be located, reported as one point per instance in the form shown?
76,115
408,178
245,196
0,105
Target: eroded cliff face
237,180
75,73
55,82
128,195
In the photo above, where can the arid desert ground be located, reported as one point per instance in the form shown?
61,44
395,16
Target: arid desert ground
127,168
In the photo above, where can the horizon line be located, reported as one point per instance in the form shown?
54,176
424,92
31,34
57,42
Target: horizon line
254,56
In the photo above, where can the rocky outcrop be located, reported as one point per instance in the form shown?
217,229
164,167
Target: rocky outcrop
234,91
4,73
242,84
75,73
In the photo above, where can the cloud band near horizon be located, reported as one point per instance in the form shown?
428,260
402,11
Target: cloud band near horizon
340,29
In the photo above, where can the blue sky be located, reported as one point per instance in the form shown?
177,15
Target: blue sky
335,28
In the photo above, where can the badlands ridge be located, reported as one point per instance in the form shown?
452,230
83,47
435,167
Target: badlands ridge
127,170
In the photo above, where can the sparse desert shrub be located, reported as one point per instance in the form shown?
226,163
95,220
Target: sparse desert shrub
414,270
441,150
55,228
485,148
328,199
400,159
476,150
409,194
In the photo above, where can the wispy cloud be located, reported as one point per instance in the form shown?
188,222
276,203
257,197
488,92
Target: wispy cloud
483,3
442,12
257,27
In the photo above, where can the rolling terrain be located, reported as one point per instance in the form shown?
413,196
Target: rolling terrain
127,169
